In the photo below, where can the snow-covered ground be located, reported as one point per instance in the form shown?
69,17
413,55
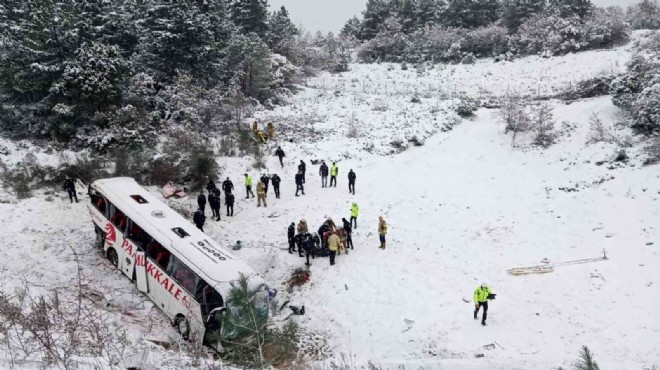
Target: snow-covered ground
463,208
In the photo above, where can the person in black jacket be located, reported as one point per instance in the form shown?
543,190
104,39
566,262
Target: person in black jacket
70,187
291,235
300,180
308,246
214,203
227,186
229,202
276,185
265,179
280,154
349,233
210,186
298,239
302,167
201,201
323,171
351,181
322,234
199,219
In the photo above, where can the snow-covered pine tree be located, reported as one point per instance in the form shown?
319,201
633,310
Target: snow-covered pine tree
281,33
429,12
645,15
251,16
248,60
351,29
471,13
516,12
373,18
567,8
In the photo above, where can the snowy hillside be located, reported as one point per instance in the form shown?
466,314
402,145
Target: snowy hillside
462,208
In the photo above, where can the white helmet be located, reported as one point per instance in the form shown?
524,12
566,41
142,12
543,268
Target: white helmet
484,285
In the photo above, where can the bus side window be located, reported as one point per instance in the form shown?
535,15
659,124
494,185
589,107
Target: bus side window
138,235
153,249
208,298
163,258
119,219
183,275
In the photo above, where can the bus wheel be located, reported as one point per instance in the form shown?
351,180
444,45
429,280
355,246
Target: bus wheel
113,258
182,326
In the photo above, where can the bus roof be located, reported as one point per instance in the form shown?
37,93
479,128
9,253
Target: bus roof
203,255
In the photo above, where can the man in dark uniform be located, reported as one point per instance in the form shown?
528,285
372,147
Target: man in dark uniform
199,219
227,186
265,179
214,203
201,201
300,180
70,187
302,167
323,171
280,154
291,234
276,185
351,181
229,202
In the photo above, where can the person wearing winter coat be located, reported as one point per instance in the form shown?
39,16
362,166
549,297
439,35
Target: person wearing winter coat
291,237
333,247
302,167
210,186
481,296
382,231
248,186
214,203
201,201
302,227
265,179
351,182
300,180
70,187
229,203
276,185
323,171
280,154
261,194
308,246
199,219
349,231
355,210
323,232
227,186
334,171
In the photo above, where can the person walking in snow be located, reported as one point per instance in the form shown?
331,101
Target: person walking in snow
291,237
280,154
261,194
265,179
351,182
333,247
214,203
302,167
201,201
355,210
199,219
248,186
349,231
227,186
229,203
300,180
323,171
276,185
481,296
70,187
382,231
334,171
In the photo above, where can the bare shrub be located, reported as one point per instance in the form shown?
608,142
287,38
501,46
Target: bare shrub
599,132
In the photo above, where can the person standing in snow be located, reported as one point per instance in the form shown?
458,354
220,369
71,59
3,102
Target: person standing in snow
349,232
199,219
323,171
481,296
276,185
382,231
351,182
333,246
355,210
261,194
248,186
214,203
291,237
227,186
210,186
302,227
201,201
280,154
308,246
334,171
229,203
70,187
300,180
302,167
265,179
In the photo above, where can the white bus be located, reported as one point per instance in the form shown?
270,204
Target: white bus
183,271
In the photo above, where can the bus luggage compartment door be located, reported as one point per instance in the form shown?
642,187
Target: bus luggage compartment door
141,272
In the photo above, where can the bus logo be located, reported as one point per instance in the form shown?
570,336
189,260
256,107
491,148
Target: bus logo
111,234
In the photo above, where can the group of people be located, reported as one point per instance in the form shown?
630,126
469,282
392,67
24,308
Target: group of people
328,240
214,196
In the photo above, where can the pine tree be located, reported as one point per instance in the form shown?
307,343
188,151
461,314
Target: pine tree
516,12
429,12
373,18
567,8
586,361
351,29
472,13
281,34
251,16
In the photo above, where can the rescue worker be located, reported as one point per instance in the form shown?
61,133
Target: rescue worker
308,246
323,232
229,203
334,171
214,203
481,296
302,167
70,187
261,194
299,239
276,185
349,232
302,227
351,181
248,186
323,171
265,179
300,180
201,201
271,130
210,186
382,231
355,210
280,154
291,235
333,247
199,219
227,186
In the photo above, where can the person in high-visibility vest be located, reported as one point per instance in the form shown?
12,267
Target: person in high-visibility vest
248,186
481,296
355,210
334,171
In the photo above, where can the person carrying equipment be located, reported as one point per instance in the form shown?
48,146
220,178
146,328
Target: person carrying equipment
481,296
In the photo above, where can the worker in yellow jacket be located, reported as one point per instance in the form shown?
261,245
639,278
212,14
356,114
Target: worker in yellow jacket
333,246
248,186
355,210
481,296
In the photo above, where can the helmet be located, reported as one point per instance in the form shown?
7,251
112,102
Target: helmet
484,285
303,220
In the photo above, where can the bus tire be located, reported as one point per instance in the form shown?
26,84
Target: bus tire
113,257
182,326
100,238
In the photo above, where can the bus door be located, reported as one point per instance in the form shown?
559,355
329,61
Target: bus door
141,271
